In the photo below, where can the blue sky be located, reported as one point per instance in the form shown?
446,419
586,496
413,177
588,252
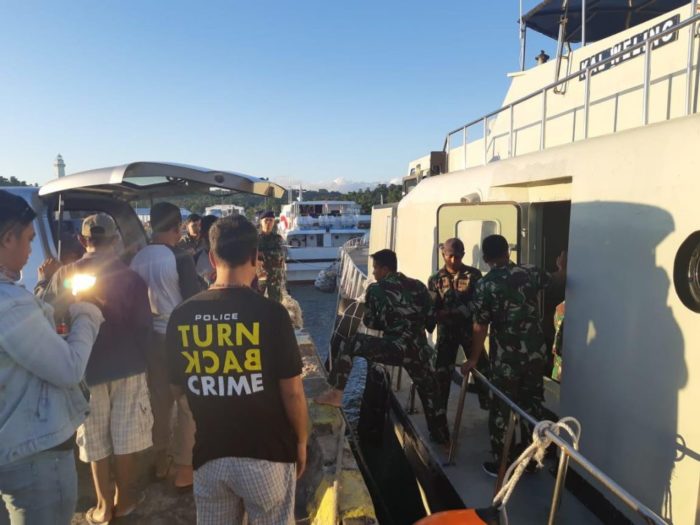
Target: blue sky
291,90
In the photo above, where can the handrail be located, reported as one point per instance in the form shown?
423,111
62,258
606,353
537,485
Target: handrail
585,72
566,448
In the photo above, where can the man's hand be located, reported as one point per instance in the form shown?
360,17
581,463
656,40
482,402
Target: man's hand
301,459
467,367
48,268
561,262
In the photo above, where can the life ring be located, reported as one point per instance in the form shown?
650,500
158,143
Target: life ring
295,243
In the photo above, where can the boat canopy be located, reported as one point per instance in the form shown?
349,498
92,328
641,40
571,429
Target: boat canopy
160,179
603,17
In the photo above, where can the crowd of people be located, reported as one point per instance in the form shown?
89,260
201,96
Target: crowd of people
464,306
187,351
170,353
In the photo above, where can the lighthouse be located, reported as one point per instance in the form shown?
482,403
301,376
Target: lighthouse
59,167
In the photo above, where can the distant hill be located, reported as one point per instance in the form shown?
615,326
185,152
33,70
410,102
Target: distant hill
252,203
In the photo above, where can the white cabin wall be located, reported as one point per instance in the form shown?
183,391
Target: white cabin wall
630,350
416,222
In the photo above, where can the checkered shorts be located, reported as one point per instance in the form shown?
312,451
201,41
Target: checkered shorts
226,489
120,419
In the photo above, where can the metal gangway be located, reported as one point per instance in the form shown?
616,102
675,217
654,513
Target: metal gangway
351,285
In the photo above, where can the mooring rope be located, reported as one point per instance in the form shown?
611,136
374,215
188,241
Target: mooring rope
535,452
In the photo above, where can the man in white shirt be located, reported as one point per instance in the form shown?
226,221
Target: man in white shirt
171,278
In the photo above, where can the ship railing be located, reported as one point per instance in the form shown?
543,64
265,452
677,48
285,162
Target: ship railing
351,279
586,73
568,451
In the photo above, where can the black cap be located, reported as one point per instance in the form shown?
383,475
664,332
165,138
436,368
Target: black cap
453,246
14,209
269,214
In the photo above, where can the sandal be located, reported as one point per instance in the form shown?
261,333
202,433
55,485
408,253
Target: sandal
92,521
131,509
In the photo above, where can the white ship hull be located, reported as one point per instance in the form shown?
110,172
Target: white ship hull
304,264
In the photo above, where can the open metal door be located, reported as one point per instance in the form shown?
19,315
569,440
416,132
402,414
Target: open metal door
149,180
473,222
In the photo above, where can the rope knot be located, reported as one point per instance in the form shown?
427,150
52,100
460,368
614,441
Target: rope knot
541,440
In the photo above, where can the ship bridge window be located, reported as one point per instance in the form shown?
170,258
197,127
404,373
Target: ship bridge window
686,272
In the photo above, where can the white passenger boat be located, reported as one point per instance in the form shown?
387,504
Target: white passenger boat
314,231
592,151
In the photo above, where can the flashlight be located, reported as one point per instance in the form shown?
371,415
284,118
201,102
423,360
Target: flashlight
82,282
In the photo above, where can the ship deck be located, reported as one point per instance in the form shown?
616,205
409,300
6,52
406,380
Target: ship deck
531,500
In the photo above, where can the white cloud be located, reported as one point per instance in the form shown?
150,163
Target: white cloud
340,184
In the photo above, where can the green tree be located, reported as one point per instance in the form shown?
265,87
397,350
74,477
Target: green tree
12,181
253,204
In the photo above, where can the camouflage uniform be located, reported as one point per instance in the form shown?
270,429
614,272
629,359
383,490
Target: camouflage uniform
190,244
452,294
270,270
401,307
507,299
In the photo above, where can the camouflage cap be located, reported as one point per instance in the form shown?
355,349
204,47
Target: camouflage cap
98,225
453,246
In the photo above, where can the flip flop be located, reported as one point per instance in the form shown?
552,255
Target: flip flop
93,521
132,509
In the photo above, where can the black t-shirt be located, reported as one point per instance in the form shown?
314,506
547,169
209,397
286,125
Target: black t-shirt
229,348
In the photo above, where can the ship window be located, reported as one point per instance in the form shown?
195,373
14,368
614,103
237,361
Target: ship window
686,272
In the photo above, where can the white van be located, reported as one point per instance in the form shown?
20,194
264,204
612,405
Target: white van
112,190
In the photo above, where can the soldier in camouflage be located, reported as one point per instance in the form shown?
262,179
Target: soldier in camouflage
402,308
506,299
271,257
192,241
452,288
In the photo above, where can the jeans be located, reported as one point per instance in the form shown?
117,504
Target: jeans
41,489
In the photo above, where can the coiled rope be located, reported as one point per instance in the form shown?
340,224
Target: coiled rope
541,440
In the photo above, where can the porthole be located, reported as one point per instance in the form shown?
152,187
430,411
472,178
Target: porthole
686,272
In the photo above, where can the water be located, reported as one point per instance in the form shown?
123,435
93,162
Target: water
319,310
389,476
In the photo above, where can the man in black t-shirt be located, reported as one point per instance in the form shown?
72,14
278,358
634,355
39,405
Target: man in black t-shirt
234,354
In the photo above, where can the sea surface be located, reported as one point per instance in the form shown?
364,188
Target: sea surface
319,311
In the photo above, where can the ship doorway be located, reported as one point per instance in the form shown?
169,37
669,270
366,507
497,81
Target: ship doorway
550,223
553,220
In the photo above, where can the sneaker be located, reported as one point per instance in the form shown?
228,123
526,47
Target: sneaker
491,468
